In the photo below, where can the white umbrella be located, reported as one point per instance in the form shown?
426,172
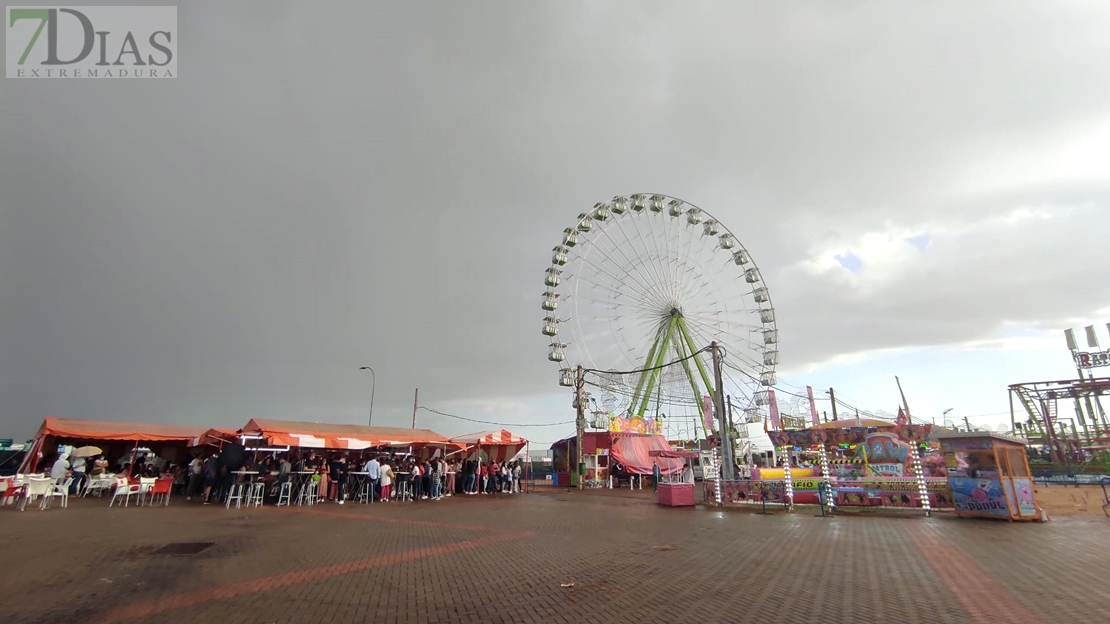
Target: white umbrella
86,451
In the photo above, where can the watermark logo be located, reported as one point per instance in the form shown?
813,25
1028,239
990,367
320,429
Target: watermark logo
91,42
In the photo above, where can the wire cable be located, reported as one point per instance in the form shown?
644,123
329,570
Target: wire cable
644,370
487,422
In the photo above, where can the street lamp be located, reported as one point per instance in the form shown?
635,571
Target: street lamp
373,386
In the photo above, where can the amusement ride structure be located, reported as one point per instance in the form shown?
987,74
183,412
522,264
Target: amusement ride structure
638,289
1084,438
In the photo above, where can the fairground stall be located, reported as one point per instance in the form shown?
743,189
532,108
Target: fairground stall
284,435
672,491
989,476
612,459
848,464
491,446
119,440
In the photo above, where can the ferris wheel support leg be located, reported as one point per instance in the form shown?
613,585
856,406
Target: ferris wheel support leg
658,362
680,349
644,375
697,360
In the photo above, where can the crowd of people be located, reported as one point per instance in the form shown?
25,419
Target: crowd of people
389,477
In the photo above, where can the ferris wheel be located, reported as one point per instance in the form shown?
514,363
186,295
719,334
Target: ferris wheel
643,281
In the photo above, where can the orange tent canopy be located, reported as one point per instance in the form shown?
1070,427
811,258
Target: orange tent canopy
216,437
332,436
108,430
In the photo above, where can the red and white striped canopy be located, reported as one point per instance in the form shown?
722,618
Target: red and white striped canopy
498,446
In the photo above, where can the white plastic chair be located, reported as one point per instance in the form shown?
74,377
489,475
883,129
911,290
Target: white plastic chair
146,486
36,487
125,490
60,490
97,485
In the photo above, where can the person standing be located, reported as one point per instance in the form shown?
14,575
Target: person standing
387,481
373,470
338,477
78,468
196,478
451,469
211,476
688,474
433,468
655,473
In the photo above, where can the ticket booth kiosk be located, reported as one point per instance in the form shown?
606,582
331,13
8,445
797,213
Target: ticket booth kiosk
989,476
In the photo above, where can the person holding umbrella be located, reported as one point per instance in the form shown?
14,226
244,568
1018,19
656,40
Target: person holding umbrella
78,466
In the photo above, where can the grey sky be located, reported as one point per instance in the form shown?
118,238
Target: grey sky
329,186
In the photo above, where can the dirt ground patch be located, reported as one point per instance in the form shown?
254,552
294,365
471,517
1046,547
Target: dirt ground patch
1060,500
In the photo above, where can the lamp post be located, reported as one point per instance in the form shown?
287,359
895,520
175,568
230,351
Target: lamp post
373,387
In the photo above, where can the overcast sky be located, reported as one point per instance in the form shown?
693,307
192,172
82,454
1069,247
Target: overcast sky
924,187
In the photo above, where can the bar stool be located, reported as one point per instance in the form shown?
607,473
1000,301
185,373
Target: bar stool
285,495
366,495
307,494
257,491
236,494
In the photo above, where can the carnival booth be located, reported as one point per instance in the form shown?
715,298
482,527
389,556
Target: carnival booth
675,493
611,458
851,463
989,476
491,446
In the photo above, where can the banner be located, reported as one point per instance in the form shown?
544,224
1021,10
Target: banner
776,422
707,414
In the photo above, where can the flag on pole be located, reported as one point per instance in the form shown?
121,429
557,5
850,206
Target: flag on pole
812,407
1092,339
776,422
1069,336
707,414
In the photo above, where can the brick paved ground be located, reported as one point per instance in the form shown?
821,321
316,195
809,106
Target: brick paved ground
503,560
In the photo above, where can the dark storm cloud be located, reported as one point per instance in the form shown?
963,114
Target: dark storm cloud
381,184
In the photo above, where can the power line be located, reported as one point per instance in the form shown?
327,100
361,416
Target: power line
644,370
486,422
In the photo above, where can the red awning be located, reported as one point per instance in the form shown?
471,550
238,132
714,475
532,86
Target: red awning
675,454
497,446
634,452
345,437
91,430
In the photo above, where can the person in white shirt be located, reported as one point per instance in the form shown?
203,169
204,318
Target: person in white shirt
78,467
373,470
196,478
60,468
688,474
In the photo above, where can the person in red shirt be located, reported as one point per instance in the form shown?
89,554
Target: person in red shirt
483,472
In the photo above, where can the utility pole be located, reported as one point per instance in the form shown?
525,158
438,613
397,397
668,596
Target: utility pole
415,398
967,424
832,396
729,471
580,421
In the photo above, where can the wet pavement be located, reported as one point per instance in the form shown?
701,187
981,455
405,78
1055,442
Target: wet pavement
548,557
